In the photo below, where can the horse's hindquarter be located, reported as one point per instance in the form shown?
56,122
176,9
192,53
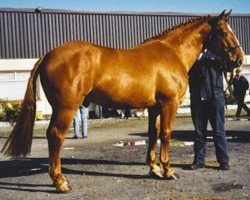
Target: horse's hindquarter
67,74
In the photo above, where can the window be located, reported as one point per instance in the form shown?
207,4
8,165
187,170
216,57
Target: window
7,76
13,84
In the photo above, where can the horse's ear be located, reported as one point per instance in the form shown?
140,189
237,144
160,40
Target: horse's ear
227,15
216,20
222,14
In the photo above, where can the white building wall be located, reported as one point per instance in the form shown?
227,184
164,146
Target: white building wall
14,75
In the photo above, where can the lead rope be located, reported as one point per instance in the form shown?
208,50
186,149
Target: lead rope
230,96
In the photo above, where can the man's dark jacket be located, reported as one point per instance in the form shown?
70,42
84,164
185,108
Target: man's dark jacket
240,86
206,79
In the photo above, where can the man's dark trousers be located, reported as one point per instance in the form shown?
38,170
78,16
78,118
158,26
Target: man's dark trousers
213,111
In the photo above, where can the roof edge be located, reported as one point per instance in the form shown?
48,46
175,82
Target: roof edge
48,10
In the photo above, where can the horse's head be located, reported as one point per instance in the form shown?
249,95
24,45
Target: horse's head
222,41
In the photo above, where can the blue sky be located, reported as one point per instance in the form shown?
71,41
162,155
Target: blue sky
188,6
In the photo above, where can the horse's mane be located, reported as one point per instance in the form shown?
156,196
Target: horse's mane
158,36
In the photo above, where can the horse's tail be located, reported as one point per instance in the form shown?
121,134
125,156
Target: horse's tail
19,142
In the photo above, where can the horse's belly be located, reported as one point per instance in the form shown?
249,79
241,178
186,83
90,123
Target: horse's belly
121,99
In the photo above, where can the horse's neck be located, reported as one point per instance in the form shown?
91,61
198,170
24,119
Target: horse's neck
187,41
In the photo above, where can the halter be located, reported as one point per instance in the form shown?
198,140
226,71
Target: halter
216,34
230,49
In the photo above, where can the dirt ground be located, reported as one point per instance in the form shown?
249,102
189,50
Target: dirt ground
110,164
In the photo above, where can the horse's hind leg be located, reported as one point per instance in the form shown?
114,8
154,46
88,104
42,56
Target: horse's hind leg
59,124
153,134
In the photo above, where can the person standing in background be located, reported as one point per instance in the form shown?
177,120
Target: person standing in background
81,115
240,86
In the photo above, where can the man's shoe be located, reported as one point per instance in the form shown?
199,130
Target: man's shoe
236,118
84,137
224,167
195,166
75,137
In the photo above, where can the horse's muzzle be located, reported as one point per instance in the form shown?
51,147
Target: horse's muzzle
234,64
239,62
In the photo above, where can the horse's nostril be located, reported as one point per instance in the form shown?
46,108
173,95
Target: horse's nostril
239,61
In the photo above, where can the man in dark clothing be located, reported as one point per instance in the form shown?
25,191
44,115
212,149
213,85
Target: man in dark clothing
207,104
241,85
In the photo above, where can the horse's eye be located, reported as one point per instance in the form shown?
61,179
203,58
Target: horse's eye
223,33
219,33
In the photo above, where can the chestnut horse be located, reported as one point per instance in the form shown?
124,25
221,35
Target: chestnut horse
153,75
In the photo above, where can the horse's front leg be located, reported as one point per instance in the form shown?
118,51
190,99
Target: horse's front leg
168,113
58,127
153,134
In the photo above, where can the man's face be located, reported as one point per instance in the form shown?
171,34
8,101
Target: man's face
238,73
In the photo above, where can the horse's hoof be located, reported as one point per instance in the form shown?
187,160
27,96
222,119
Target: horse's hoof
173,176
156,174
63,188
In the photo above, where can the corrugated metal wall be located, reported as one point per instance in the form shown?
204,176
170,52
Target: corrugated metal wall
28,34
